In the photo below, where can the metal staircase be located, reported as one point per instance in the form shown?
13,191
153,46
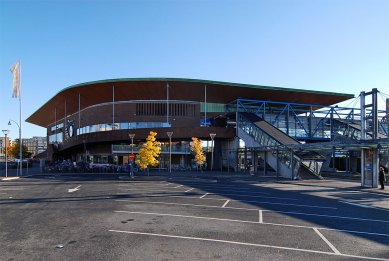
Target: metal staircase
277,148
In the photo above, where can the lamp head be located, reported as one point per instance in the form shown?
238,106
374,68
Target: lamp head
9,122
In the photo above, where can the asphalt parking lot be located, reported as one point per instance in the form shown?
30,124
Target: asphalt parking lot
156,218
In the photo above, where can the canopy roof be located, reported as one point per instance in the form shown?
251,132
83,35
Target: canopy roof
97,92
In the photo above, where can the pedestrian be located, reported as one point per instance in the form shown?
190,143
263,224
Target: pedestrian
130,170
381,177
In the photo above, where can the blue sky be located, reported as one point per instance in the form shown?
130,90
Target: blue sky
326,45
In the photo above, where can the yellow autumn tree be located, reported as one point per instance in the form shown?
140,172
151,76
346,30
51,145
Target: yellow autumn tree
198,150
149,152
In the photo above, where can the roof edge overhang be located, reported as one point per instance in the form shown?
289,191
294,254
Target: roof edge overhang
171,80
156,79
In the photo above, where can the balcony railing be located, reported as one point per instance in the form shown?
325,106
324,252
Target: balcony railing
126,149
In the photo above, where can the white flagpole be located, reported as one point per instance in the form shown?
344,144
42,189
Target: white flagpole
65,124
167,103
113,107
20,119
205,105
79,116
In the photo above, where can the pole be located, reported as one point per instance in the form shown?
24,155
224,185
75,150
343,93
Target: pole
64,122
205,106
20,151
212,135
19,170
228,156
113,107
132,153
169,134
6,154
167,103
6,157
363,137
55,126
20,120
79,116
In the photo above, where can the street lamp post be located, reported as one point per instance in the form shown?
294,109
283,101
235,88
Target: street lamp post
85,158
212,135
169,134
132,142
132,135
6,154
20,145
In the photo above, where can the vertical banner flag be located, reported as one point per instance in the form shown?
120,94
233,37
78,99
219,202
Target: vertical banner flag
15,70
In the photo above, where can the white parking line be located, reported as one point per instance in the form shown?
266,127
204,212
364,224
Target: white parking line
356,204
225,204
189,190
244,201
201,185
180,204
243,243
336,251
331,216
253,209
283,204
162,188
146,189
215,190
204,195
250,222
186,216
156,186
228,188
260,214
210,193
250,196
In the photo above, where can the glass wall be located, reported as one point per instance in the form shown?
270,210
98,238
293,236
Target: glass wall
121,126
56,138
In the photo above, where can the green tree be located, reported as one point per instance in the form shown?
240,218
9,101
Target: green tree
149,152
198,150
14,151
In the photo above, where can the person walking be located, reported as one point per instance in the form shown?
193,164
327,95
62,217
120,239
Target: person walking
381,177
130,170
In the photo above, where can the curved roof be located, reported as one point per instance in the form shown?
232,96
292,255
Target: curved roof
96,92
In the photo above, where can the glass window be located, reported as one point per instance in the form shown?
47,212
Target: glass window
123,125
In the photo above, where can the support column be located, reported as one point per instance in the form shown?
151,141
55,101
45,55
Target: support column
292,164
374,182
255,160
245,159
363,137
278,163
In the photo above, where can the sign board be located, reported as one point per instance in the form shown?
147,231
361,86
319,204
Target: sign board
131,156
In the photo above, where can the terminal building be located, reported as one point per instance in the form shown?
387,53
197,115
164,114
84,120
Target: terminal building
292,132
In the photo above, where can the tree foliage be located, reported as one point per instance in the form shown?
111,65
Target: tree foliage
198,150
149,152
14,151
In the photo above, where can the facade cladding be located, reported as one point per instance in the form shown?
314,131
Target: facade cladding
93,120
